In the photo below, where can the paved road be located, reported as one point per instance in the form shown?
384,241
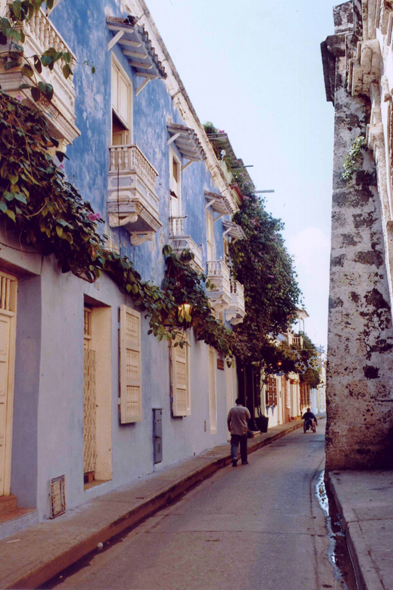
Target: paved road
257,526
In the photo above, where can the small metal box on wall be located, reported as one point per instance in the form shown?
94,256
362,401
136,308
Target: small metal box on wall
157,435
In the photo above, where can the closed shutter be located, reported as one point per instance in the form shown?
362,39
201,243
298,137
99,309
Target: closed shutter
114,91
275,401
271,391
4,359
212,391
130,366
210,235
181,400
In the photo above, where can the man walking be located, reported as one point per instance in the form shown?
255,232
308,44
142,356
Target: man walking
238,426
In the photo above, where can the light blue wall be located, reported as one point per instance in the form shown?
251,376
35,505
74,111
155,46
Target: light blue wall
48,424
89,154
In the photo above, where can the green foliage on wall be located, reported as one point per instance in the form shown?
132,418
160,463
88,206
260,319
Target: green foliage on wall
47,212
352,158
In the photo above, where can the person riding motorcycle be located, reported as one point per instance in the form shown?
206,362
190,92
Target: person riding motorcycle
308,418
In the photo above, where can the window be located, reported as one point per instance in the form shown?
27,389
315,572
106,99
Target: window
212,391
130,366
181,398
175,184
121,96
210,235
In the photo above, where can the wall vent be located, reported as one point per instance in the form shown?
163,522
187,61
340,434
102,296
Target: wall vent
57,496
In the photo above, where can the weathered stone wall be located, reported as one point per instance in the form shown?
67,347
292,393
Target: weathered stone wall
360,336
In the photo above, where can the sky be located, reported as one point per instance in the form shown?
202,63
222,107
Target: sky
254,69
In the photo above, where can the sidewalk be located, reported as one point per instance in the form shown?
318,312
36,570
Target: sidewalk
34,556
365,502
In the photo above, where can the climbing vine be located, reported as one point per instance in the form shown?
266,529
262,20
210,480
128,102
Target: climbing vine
48,213
352,158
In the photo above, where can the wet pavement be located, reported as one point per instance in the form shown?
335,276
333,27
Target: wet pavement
258,526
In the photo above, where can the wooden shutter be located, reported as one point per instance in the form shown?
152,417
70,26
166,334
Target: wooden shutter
270,390
275,401
121,95
210,235
4,359
123,98
212,391
114,92
130,366
181,399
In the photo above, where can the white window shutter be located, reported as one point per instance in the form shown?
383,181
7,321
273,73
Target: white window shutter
210,235
130,366
212,391
114,83
181,404
123,99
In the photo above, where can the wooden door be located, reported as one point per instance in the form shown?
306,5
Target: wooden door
7,353
4,401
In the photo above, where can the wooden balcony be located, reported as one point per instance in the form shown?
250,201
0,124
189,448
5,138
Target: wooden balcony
132,199
236,311
179,242
219,275
41,34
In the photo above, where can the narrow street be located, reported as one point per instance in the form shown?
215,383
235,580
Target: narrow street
249,527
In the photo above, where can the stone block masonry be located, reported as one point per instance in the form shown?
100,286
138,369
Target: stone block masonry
360,334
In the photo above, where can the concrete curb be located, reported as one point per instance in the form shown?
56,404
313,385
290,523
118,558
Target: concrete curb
365,570
38,571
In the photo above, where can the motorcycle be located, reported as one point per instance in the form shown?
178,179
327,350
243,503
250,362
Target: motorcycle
309,423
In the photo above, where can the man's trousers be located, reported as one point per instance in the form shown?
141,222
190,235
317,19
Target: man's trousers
235,440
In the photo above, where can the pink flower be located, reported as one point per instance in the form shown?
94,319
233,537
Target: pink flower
221,131
61,166
94,216
19,97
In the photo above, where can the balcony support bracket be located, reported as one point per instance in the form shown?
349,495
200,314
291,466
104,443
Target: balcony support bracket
138,238
115,39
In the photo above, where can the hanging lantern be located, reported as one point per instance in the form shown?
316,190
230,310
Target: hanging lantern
184,311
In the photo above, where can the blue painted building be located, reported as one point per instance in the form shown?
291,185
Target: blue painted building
92,402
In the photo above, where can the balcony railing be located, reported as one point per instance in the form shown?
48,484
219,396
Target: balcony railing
219,275
236,310
298,341
176,226
179,242
132,199
130,159
41,34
